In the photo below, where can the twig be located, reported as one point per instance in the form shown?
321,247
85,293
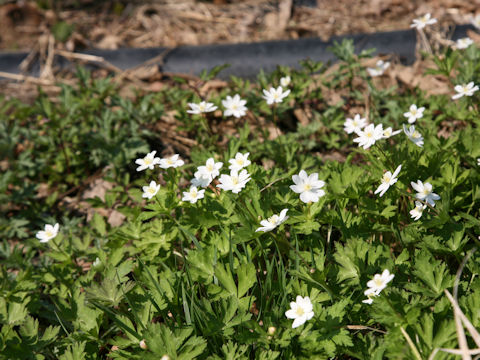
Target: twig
25,64
471,329
362,327
47,71
26,78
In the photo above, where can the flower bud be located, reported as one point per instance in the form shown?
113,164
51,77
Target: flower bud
271,330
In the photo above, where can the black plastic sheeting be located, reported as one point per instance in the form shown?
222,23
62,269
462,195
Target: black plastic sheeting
245,60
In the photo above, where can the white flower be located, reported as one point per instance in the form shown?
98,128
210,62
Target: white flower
369,135
273,221
465,90
150,190
370,294
275,95
309,187
414,113
424,192
379,68
234,182
239,162
476,21
478,161
49,233
376,285
211,169
201,181
388,180
202,107
417,212
193,195
97,262
301,310
464,43
172,161
354,125
285,81
423,21
413,135
148,162
388,132
234,106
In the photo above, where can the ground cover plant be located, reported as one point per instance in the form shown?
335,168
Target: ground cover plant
350,236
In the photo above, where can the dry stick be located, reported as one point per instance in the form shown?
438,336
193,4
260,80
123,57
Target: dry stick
471,329
362,327
159,59
468,325
462,339
100,60
460,352
27,62
47,71
424,40
26,78
459,319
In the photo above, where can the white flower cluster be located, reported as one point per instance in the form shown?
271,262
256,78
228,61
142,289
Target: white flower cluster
149,162
235,106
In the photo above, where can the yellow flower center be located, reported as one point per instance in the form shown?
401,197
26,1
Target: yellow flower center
210,167
151,190
307,187
240,162
49,233
235,180
193,193
147,161
273,219
386,178
300,311
378,282
369,134
413,112
416,134
170,161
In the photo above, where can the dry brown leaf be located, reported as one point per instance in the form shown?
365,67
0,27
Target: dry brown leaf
116,218
98,188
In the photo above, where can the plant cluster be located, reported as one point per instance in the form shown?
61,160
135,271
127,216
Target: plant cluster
261,246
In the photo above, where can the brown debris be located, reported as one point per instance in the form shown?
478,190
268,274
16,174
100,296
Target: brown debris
193,22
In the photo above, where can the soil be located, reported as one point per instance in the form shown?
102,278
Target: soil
112,24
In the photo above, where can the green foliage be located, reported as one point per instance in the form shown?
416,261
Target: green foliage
182,281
